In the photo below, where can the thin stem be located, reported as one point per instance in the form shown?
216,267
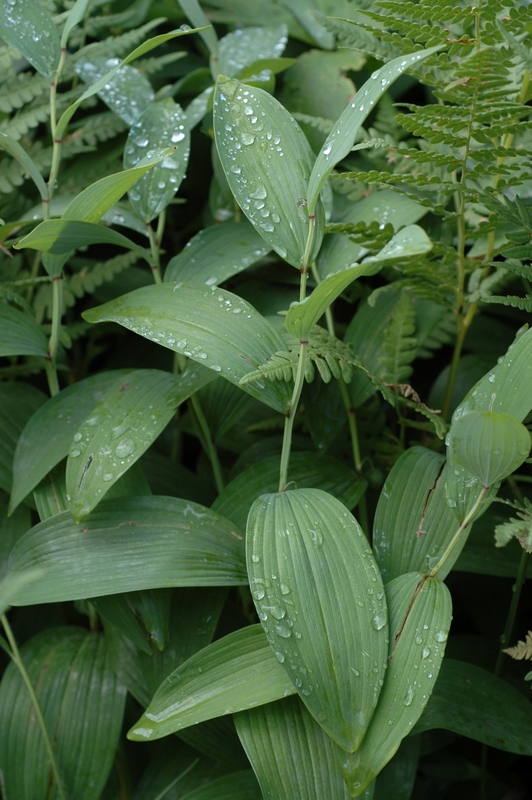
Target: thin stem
208,443
512,611
154,249
176,780
290,415
15,655
57,303
460,532
56,151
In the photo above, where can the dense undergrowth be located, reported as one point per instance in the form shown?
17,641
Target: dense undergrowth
265,387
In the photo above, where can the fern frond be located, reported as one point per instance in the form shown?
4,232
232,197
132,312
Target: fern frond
319,123
353,36
150,66
523,303
521,528
90,277
25,121
8,56
444,333
400,344
522,650
22,88
407,396
118,46
93,129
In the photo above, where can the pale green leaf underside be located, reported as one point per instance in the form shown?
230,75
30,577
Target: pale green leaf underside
212,326
184,543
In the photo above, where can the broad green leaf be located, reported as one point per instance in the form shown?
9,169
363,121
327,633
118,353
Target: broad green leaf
128,92
61,236
420,617
410,241
46,438
18,402
20,335
28,26
100,84
385,207
236,786
342,138
217,253
212,326
292,756
12,586
312,577
303,12
82,703
399,775
195,14
185,544
234,673
11,529
92,203
116,609
490,445
120,428
306,470
14,149
267,161
473,702
74,17
413,522
507,389
242,47
153,607
162,124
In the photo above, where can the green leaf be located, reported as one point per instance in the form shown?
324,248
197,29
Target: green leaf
313,577
267,161
82,703
473,702
242,47
19,334
29,27
12,586
232,674
120,428
114,67
162,124
212,326
61,236
342,138
128,92
399,775
18,402
413,522
14,149
195,14
306,469
216,254
236,786
420,617
410,241
47,436
302,10
274,65
291,754
489,445
74,17
185,544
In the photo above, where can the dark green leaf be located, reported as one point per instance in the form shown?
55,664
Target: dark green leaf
18,402
128,92
19,334
184,543
29,27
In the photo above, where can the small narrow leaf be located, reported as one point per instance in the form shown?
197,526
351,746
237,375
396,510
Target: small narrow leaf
234,673
29,27
489,445
420,618
267,161
120,428
216,254
313,577
195,14
342,138
12,147
292,756
214,327
184,543
162,124
60,236
13,585
410,241
74,17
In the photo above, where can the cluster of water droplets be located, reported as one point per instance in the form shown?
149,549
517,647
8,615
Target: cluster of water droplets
128,93
242,47
37,27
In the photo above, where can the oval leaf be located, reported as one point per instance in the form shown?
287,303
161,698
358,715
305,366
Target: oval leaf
30,28
242,47
82,702
120,428
489,445
342,138
420,617
267,161
214,327
234,673
184,543
313,578
162,124
128,92
216,254
60,236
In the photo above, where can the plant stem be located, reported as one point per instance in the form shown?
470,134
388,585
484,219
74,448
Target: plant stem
57,303
460,532
290,415
15,655
154,249
56,151
208,443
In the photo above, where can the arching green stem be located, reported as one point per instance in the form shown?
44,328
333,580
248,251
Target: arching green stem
466,522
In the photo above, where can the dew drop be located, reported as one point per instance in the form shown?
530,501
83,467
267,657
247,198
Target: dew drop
75,453
107,476
247,138
279,656
441,636
258,594
407,701
260,193
125,448
378,622
425,653
255,558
